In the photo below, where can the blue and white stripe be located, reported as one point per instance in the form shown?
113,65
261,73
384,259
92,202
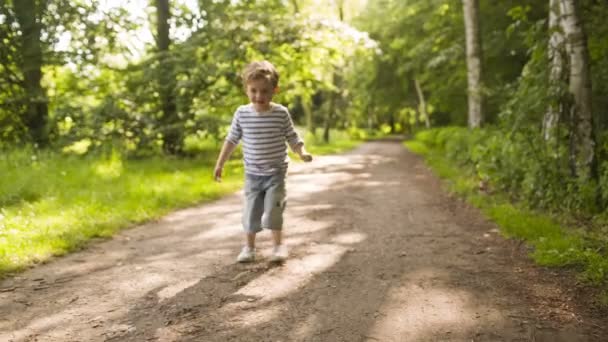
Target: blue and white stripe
264,136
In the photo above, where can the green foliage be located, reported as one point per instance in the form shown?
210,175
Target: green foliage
460,156
52,204
341,141
519,164
418,39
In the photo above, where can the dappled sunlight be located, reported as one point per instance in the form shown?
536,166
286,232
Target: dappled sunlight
141,281
425,305
311,184
173,289
307,328
109,169
61,323
351,161
227,209
310,227
307,208
359,269
376,183
296,273
220,232
349,238
44,323
244,317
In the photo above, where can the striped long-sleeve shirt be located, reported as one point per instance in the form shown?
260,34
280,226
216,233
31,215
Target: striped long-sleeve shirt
264,136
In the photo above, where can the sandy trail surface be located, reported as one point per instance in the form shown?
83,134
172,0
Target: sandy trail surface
379,252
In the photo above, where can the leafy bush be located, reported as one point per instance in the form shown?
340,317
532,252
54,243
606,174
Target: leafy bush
520,165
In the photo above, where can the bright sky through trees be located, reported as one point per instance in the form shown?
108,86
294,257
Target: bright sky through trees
139,12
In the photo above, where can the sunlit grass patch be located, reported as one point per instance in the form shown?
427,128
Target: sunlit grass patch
417,147
51,203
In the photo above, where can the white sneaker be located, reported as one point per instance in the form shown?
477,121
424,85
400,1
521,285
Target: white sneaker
279,253
247,255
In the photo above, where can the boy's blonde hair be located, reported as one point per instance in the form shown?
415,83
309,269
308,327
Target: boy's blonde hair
260,70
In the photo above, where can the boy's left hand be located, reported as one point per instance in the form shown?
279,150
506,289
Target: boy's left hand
306,157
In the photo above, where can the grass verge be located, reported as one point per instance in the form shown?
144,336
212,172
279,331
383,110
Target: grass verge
553,244
52,204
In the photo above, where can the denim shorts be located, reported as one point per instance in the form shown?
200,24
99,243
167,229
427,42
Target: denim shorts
264,202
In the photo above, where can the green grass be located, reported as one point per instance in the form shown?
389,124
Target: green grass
52,204
55,203
552,244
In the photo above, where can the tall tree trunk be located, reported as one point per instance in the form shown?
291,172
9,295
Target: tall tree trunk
296,8
474,70
370,116
306,107
422,104
391,122
329,117
36,116
556,75
582,154
172,135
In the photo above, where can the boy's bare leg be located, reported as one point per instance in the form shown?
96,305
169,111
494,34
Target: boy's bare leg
251,240
248,252
279,253
277,236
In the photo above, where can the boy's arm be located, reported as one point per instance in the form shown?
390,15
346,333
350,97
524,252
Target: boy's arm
295,142
227,150
300,150
232,140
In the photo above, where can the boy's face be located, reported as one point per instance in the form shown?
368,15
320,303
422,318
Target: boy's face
260,92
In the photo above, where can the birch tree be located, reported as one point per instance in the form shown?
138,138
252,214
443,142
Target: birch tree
422,104
474,69
582,144
556,75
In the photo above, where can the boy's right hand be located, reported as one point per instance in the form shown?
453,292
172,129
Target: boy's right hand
217,173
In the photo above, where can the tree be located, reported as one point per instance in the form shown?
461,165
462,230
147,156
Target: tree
36,113
172,139
582,153
329,117
556,73
474,68
422,103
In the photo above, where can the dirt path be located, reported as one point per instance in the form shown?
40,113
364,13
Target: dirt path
378,253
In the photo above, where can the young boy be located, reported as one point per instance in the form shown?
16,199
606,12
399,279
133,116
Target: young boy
264,127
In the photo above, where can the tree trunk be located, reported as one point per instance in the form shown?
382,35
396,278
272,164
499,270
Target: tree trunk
310,124
329,116
474,70
370,119
36,115
335,80
422,104
582,154
296,8
556,75
172,135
